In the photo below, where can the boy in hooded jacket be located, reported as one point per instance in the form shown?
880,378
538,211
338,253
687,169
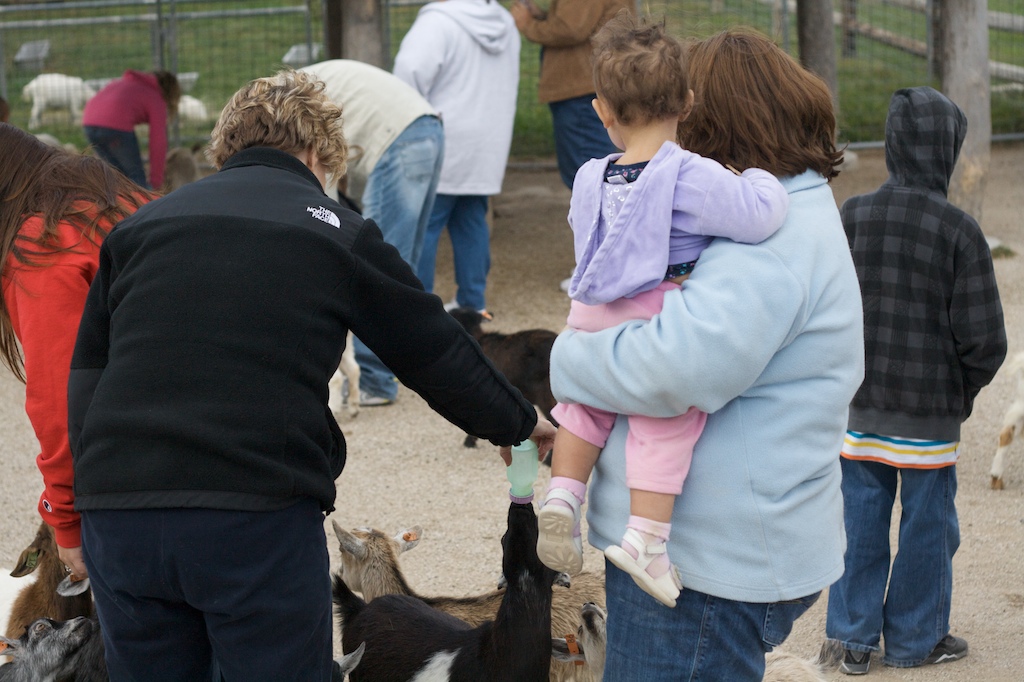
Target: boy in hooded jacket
933,337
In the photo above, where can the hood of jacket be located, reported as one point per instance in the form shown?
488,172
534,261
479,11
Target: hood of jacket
141,77
484,20
923,134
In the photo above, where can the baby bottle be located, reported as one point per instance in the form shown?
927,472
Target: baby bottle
522,472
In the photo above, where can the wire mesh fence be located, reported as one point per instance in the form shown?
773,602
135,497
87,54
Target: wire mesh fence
217,45
882,45
57,54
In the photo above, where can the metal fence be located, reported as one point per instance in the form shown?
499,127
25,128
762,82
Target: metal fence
217,45
214,46
882,45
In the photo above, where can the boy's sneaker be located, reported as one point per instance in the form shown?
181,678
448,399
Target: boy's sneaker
369,400
559,544
665,588
855,662
949,649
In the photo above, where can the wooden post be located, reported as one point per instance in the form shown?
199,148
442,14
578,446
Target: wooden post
361,35
817,41
963,65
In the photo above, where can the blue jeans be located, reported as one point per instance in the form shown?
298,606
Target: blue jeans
399,196
466,219
703,639
181,593
579,135
120,149
914,615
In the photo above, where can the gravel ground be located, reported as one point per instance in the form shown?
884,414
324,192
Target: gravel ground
407,466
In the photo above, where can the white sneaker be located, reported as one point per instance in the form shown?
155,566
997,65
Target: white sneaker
665,588
559,545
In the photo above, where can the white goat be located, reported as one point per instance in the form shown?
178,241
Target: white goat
591,638
369,565
348,369
56,91
405,639
192,110
1013,421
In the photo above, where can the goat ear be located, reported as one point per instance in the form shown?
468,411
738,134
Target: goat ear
560,651
350,544
8,647
408,538
27,562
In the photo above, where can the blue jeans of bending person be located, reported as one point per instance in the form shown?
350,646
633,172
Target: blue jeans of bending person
466,219
399,197
703,639
120,149
913,616
183,592
579,135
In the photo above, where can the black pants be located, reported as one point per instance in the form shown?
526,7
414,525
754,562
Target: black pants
177,589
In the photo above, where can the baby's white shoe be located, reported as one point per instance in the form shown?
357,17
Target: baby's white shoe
559,544
665,588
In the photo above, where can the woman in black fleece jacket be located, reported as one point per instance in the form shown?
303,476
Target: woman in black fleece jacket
205,453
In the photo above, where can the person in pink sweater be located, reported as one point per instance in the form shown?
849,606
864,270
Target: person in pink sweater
55,210
110,117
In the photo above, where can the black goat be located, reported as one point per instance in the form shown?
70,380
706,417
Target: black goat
69,651
404,637
524,357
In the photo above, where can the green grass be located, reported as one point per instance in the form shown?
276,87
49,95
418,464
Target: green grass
228,52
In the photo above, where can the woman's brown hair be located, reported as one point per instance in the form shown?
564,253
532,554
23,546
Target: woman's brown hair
39,180
170,89
756,107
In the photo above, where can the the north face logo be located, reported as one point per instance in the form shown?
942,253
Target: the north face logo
321,213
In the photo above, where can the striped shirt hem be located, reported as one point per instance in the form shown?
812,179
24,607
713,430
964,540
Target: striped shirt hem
911,453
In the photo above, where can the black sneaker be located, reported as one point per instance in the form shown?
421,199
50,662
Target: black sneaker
855,662
949,649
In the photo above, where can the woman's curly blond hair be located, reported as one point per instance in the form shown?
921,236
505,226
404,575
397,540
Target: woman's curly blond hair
287,111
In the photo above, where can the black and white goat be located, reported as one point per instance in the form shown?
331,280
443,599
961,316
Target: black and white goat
370,566
65,651
523,357
406,639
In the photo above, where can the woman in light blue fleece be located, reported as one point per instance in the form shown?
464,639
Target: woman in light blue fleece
768,340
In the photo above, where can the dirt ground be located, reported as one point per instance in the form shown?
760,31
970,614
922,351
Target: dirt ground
407,466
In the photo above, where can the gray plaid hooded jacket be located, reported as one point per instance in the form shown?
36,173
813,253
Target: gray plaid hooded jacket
933,323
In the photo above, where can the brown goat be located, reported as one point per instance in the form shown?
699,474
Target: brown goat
40,599
523,357
369,564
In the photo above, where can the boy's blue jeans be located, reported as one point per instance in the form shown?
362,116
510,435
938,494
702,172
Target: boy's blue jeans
913,616
703,639
399,197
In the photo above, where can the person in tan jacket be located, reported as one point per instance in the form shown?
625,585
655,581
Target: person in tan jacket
566,82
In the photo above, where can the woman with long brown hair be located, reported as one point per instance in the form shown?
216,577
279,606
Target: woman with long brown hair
55,210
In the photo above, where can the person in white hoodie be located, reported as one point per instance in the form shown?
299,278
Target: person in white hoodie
463,57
